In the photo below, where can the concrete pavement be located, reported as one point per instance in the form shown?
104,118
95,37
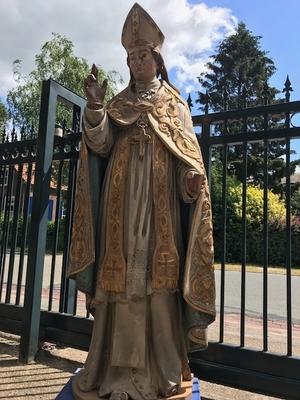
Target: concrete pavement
45,378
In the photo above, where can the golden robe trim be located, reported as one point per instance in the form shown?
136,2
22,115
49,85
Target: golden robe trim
82,249
165,266
113,268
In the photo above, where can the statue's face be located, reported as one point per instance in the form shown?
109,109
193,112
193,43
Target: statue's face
142,63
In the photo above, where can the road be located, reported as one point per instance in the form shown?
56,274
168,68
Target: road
277,298
254,290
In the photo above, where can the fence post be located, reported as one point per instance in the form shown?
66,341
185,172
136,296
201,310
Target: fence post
38,226
205,146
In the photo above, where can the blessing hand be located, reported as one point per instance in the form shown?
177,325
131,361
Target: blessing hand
94,91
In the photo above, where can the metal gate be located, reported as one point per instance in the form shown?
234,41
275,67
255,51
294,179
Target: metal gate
37,184
242,361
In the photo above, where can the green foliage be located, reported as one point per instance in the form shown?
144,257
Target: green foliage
239,61
277,245
3,116
51,235
49,238
56,60
295,201
255,201
255,164
216,191
254,227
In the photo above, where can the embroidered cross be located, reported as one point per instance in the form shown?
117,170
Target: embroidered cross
166,265
113,266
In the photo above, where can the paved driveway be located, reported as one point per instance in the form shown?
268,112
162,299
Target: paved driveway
254,294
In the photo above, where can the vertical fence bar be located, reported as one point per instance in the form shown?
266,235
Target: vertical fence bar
67,293
223,256
56,230
2,180
75,302
14,235
70,305
288,247
224,219
6,226
266,247
38,226
76,128
24,232
287,90
244,246
205,147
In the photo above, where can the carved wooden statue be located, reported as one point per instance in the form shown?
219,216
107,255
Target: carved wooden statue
149,283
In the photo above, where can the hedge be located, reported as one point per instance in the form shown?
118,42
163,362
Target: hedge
277,238
49,237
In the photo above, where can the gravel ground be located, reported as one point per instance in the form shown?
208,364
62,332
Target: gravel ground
45,378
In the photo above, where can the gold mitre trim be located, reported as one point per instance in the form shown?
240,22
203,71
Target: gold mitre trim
140,30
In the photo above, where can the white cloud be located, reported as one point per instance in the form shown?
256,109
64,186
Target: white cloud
95,28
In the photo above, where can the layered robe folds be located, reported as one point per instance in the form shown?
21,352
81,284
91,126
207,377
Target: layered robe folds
153,297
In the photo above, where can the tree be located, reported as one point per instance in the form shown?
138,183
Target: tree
295,200
239,62
56,60
3,116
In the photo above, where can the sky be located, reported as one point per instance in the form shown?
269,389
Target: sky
192,29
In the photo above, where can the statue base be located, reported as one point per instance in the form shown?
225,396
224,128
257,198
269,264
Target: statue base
190,390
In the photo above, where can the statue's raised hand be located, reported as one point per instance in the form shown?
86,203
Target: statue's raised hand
94,91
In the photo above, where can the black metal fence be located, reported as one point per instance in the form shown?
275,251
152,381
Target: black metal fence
37,183
37,186
245,357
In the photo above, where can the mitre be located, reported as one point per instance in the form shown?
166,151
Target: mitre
140,30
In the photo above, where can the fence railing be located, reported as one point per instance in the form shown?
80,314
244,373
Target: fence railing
37,190
231,138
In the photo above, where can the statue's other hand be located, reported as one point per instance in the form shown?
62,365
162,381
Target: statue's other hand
94,91
195,182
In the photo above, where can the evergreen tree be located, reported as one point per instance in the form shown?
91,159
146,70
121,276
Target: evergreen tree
239,62
241,65
295,200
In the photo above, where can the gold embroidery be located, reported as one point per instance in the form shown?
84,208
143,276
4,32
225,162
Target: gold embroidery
163,107
165,265
199,336
166,113
113,269
165,269
199,290
82,247
142,105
